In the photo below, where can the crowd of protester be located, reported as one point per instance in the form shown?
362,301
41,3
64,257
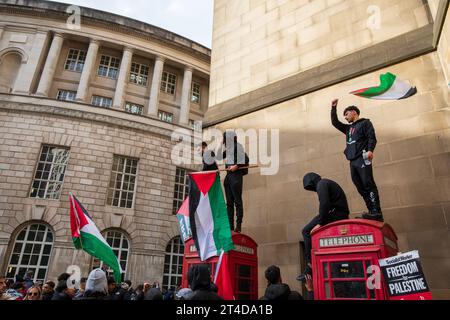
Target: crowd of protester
99,286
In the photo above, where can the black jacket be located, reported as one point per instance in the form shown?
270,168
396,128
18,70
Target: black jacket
236,156
333,204
201,284
360,135
281,291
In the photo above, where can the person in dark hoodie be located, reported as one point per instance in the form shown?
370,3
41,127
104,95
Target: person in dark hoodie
361,142
276,289
333,206
235,158
201,284
208,158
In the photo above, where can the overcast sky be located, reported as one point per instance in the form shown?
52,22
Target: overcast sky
189,18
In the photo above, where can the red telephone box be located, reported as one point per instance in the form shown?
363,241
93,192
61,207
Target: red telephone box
341,253
243,264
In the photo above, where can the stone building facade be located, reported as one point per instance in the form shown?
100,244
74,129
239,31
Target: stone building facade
88,103
277,64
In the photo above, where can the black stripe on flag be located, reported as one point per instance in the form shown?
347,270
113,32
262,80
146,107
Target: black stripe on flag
194,200
410,93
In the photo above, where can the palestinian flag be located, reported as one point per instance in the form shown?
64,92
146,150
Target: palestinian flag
183,220
208,215
390,88
86,236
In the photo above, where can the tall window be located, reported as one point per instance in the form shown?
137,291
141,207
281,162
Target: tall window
50,171
121,247
100,101
122,184
66,95
195,98
31,251
75,60
109,67
134,108
139,74
181,188
173,263
168,82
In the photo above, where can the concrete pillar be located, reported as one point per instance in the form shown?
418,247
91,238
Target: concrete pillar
186,96
122,80
50,65
86,74
2,28
155,87
28,72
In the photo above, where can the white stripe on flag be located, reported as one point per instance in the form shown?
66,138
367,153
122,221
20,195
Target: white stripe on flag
398,90
205,227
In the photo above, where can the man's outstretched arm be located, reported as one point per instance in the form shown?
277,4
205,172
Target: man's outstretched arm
334,118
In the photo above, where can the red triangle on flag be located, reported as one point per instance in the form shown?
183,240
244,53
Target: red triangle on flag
77,218
184,209
204,181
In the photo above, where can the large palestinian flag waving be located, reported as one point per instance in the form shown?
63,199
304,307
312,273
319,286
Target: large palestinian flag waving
390,88
208,215
86,236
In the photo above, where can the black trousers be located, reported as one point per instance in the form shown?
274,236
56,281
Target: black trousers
362,177
233,194
306,232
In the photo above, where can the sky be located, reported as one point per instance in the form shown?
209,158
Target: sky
189,18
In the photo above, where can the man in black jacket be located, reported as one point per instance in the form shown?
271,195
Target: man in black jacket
276,289
235,158
361,142
333,206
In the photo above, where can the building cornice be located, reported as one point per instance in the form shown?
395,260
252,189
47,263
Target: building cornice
82,111
109,21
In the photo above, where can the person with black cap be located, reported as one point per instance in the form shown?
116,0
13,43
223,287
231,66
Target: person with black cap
333,206
235,158
276,289
62,290
361,141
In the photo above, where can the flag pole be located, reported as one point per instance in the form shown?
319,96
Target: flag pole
76,217
219,262
220,170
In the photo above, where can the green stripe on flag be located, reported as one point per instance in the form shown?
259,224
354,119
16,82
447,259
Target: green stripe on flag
222,232
97,248
386,82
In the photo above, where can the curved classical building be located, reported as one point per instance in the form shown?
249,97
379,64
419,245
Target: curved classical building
88,103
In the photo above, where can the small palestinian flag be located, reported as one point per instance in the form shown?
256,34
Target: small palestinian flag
208,215
183,220
86,236
390,88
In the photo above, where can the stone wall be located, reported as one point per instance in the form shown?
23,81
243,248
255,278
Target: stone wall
257,42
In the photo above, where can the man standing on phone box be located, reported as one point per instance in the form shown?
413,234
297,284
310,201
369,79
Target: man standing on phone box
361,142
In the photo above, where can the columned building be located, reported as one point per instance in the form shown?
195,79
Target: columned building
88,103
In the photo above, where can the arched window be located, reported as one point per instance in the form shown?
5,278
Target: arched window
9,68
31,251
121,247
173,263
